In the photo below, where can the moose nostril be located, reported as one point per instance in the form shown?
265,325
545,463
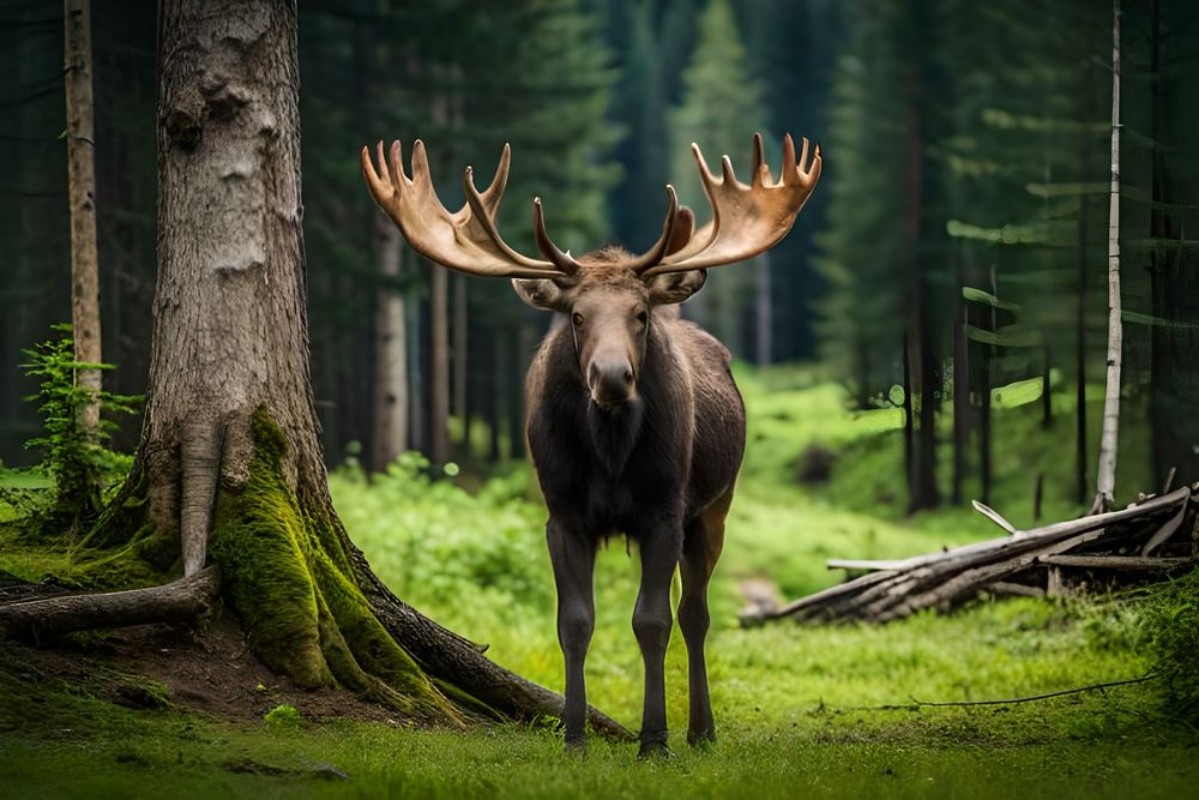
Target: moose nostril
592,374
628,377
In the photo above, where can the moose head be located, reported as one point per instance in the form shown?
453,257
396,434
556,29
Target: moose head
609,295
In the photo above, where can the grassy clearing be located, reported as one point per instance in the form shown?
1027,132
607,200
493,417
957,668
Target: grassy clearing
784,696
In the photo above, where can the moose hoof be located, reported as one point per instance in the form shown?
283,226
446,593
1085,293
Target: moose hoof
655,751
701,739
576,747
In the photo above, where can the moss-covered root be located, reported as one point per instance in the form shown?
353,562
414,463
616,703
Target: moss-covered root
289,581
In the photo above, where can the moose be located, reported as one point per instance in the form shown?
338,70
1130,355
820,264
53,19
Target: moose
634,423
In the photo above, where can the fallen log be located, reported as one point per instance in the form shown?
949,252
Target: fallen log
1134,542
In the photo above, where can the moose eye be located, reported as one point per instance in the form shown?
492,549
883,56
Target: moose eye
577,318
642,317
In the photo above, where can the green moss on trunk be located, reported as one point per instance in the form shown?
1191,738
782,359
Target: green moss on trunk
288,578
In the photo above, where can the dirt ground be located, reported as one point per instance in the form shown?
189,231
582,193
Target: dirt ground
207,668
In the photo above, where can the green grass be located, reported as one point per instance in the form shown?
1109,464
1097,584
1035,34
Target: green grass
189,760
787,698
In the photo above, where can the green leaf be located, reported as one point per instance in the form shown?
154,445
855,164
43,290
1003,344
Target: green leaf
979,296
1007,336
1140,318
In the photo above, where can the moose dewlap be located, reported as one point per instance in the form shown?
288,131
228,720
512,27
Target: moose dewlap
634,422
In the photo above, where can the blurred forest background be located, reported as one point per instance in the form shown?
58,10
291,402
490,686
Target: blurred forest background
952,263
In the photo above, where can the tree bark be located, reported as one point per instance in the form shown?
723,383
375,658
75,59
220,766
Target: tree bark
390,437
81,182
1106,481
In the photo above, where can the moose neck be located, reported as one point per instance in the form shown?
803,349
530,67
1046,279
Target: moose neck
614,433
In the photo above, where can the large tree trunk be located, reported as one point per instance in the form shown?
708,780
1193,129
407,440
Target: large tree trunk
81,182
230,443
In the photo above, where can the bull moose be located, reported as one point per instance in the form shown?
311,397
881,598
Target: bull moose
634,423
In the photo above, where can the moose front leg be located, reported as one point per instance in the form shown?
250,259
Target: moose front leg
651,624
573,557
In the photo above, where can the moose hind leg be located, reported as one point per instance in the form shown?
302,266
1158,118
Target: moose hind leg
651,624
701,548
573,557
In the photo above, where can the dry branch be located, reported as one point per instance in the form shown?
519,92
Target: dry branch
1032,562
916,705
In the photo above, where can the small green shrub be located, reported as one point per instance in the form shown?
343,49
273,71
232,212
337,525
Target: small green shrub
283,716
78,462
1172,622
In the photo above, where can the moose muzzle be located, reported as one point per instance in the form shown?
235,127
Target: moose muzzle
611,382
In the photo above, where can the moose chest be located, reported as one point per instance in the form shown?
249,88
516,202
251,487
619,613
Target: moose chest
608,473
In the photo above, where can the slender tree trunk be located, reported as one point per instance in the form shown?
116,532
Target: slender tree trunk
390,415
418,426
494,397
1172,375
926,463
909,422
961,395
1046,390
461,344
439,305
439,367
81,181
1106,481
764,318
984,427
1080,352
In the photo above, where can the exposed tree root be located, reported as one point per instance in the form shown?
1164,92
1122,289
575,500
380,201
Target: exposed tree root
180,601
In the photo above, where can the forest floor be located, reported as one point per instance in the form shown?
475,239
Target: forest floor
134,714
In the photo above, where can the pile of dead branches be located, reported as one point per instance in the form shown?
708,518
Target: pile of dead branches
1153,538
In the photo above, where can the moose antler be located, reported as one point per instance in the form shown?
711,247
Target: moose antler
466,240
746,220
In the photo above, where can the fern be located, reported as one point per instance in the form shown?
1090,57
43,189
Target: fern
77,460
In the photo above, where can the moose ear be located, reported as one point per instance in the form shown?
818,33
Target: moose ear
541,293
675,287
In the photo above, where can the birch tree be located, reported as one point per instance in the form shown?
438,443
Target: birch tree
1106,482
